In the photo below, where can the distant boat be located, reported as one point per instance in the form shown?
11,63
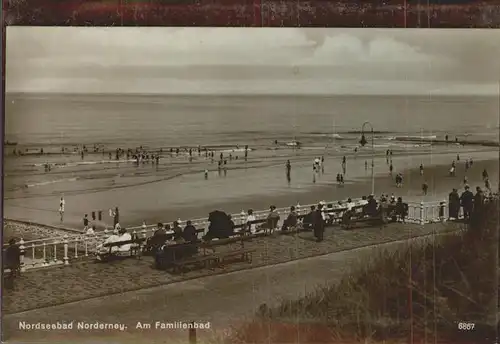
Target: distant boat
10,143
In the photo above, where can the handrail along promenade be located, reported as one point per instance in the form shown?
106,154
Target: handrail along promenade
63,249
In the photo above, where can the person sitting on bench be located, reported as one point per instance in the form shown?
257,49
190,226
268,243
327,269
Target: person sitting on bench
124,236
160,236
114,237
309,218
160,230
177,231
401,210
250,226
189,233
272,218
291,220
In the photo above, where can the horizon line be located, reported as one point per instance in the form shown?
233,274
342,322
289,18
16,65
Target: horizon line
136,94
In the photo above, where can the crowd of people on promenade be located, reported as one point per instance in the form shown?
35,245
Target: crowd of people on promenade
470,203
317,219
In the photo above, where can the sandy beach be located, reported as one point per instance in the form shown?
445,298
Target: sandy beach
255,184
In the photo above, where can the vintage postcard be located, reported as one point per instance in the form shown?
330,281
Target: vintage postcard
237,185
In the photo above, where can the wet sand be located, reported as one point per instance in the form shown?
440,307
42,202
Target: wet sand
260,184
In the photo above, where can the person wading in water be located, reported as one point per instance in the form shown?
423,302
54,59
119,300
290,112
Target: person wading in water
62,203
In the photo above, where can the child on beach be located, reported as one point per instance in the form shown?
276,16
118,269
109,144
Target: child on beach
425,187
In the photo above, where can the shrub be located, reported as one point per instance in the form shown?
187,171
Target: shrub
422,291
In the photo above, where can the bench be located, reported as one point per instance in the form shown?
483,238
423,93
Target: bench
209,256
241,252
135,249
391,214
205,260
245,230
153,243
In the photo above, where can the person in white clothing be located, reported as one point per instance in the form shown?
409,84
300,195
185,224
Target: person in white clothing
363,201
350,204
90,230
103,250
124,236
324,213
62,203
250,218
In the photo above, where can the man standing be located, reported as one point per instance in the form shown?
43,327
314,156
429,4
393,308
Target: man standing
62,203
116,217
477,213
319,224
454,204
467,202
86,222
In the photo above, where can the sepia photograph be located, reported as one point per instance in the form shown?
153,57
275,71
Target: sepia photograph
250,185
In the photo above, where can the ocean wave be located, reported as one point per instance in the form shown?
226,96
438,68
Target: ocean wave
48,182
235,150
414,137
79,163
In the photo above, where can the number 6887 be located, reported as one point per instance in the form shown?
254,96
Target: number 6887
465,326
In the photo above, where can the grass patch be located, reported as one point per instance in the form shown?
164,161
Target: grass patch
417,294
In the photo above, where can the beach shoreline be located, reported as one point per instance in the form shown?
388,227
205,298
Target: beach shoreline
436,175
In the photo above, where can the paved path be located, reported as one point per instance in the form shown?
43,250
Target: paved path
224,300
87,279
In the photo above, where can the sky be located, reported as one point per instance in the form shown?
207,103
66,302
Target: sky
252,61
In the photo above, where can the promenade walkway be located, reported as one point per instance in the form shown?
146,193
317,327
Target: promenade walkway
224,300
86,279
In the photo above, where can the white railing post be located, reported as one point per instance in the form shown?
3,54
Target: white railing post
44,246
86,241
55,251
33,254
65,258
76,248
443,211
243,217
422,214
21,255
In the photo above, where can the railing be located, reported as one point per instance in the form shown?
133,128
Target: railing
62,250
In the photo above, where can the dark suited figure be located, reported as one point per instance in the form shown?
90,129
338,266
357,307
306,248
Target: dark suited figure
477,212
454,204
308,221
319,224
12,261
467,202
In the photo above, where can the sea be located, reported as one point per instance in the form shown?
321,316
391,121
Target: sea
326,126
40,120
